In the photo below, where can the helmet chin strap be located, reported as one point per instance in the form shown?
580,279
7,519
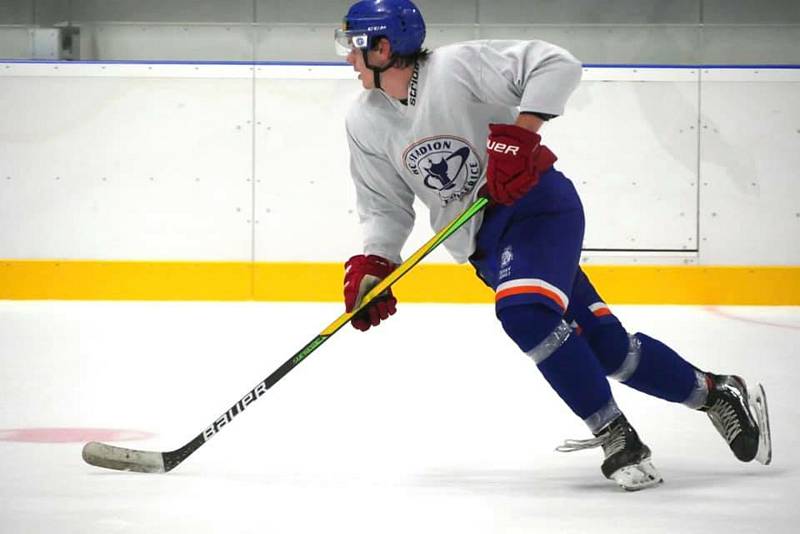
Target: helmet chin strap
376,71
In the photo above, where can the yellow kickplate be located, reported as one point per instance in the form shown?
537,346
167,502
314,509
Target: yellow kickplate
322,282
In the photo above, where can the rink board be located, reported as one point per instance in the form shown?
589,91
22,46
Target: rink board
136,167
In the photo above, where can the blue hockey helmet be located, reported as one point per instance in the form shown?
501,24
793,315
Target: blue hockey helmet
399,21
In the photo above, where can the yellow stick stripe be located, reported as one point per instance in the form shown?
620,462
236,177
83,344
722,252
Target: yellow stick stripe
409,263
322,282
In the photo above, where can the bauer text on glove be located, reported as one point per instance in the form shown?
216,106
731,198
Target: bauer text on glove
516,159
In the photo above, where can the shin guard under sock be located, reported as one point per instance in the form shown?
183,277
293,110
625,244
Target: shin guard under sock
565,360
653,368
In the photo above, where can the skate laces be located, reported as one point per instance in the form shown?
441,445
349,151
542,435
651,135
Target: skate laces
725,419
722,412
572,445
612,442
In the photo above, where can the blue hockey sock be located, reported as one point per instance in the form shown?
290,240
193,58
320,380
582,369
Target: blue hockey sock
647,365
565,360
661,371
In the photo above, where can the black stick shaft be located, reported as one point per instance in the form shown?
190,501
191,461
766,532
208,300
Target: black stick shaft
174,458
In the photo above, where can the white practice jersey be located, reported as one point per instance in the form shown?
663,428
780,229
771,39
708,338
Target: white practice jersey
434,147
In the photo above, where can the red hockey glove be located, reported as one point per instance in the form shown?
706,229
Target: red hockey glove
516,159
361,274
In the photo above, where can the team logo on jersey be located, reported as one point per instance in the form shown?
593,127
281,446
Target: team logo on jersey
506,257
446,164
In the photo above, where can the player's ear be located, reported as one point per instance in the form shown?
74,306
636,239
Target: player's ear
384,48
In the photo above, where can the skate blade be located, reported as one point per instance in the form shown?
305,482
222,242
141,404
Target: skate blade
758,403
637,477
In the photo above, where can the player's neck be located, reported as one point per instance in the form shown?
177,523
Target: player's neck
394,82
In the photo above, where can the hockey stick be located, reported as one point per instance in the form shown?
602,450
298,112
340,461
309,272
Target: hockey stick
123,459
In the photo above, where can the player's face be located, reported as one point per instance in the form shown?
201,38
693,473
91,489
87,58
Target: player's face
356,59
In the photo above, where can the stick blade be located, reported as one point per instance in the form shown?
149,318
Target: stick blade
122,459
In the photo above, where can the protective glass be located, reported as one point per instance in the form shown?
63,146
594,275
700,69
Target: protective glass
346,40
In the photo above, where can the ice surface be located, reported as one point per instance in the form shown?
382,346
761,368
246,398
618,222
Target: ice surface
432,423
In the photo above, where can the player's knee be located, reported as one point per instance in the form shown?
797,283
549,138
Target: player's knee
529,324
610,344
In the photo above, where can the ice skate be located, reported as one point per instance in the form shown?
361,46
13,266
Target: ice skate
740,416
627,460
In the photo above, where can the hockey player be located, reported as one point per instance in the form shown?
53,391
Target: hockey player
462,121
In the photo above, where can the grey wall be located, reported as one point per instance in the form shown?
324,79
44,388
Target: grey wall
436,11
597,31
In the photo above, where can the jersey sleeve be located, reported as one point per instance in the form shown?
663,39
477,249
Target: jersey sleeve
536,76
384,202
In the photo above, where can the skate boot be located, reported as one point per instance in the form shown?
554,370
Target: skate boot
740,416
627,460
